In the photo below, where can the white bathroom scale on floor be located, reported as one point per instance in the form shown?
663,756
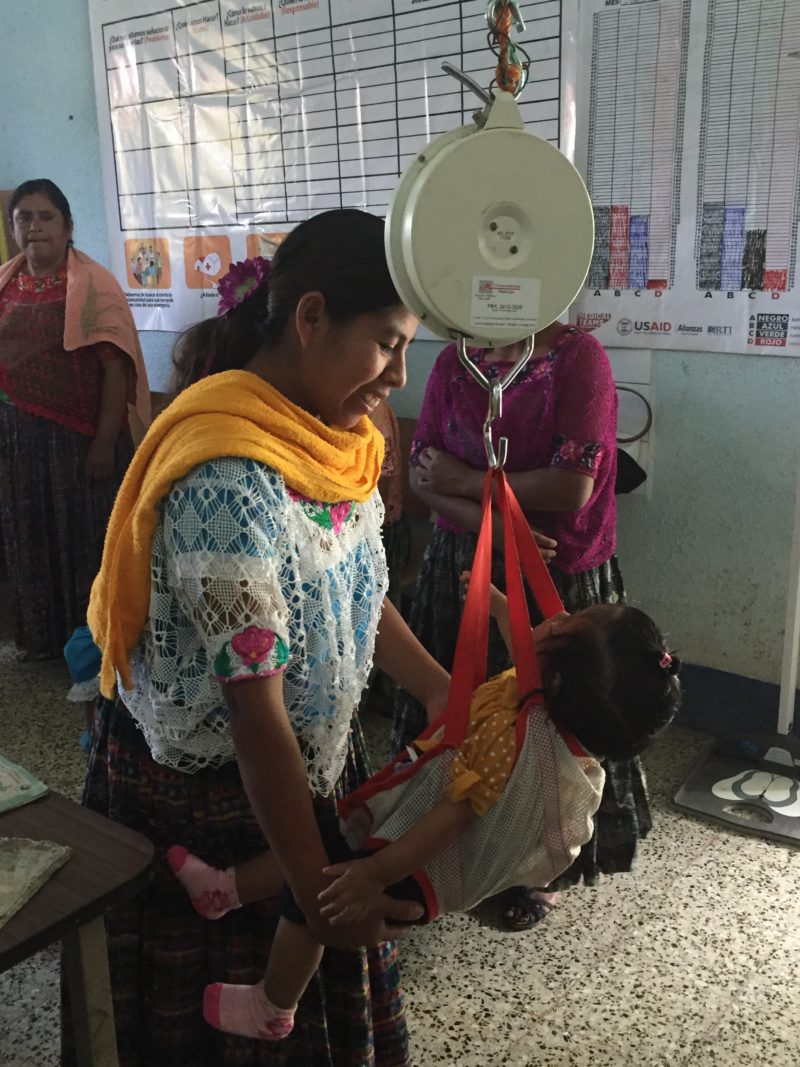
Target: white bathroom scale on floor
752,783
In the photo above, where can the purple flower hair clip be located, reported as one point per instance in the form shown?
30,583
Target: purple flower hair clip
241,282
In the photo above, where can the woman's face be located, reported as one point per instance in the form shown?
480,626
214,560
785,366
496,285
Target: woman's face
40,232
347,368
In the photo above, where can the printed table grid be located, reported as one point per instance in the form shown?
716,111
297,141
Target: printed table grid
227,114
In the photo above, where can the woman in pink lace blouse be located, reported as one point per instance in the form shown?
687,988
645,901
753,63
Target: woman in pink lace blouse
560,418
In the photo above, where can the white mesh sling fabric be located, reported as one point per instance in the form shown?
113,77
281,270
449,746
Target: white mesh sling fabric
528,837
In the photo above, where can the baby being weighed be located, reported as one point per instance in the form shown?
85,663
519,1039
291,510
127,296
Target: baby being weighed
447,826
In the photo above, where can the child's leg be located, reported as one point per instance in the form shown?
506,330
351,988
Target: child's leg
259,878
215,892
293,959
266,1010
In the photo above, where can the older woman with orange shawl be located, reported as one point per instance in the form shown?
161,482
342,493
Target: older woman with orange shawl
70,366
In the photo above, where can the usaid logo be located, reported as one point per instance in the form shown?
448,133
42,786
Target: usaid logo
652,327
626,326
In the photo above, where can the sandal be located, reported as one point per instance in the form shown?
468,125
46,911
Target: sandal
521,908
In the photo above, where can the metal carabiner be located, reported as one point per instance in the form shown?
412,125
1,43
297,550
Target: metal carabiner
496,459
494,388
516,17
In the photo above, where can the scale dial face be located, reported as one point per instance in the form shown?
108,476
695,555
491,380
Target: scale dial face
489,234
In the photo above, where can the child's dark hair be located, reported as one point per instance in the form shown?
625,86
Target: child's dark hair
617,685
338,253
44,187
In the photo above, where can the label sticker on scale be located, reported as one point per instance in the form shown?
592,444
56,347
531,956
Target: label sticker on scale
508,302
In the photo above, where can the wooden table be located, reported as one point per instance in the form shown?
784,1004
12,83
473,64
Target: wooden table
109,864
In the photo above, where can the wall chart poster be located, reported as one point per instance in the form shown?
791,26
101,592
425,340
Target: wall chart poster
688,136
225,122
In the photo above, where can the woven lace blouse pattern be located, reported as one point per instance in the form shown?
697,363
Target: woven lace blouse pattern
248,579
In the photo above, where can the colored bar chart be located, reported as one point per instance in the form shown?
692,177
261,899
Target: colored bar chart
636,114
749,180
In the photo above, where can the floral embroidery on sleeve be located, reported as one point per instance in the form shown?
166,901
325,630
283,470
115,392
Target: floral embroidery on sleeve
576,455
253,653
328,516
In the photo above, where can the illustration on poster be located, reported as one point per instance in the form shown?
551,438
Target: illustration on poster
209,265
146,266
206,258
147,263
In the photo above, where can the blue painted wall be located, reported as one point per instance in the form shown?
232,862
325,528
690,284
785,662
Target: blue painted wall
707,552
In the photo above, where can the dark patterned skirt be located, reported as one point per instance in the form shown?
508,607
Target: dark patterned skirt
624,815
162,953
53,521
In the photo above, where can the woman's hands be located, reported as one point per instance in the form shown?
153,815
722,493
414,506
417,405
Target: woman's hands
441,472
459,489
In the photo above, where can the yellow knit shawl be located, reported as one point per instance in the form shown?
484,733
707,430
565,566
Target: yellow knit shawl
231,414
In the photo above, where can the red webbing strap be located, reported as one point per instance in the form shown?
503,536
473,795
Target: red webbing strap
523,649
469,662
533,566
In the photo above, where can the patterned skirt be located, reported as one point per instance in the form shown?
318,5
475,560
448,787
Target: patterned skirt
624,815
162,953
53,521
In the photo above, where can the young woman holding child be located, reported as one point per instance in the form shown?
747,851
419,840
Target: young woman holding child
238,604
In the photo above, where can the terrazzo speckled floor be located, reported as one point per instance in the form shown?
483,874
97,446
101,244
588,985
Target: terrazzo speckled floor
694,959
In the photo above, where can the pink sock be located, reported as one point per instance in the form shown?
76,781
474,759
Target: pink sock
246,1010
212,892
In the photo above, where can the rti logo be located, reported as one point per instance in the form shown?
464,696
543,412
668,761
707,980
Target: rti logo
768,331
626,327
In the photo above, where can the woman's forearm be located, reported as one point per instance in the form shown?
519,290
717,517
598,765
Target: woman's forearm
551,489
468,513
456,509
274,777
402,657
